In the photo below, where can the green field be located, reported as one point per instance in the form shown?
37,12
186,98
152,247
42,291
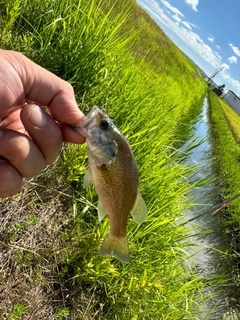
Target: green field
225,123
232,118
50,265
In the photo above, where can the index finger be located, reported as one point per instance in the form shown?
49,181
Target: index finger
46,89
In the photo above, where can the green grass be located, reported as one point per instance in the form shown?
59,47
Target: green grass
51,263
225,128
233,119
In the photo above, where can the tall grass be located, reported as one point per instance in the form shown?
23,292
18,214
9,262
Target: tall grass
227,149
227,155
152,99
232,118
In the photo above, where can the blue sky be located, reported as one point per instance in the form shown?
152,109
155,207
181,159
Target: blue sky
208,31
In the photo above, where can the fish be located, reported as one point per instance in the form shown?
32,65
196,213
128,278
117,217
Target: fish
114,173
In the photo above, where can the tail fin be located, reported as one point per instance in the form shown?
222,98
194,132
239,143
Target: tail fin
117,247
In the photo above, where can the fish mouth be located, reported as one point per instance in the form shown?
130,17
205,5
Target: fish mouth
86,124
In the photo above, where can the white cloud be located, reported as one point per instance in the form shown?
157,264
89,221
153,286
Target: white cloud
218,47
191,38
217,55
236,50
227,77
193,4
187,24
173,9
198,45
177,18
232,59
211,39
235,83
225,67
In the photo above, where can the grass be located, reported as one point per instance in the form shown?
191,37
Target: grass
50,264
232,118
225,127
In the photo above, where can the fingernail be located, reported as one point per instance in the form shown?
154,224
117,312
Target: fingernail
37,116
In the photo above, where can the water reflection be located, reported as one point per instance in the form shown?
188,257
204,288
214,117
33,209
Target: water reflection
209,257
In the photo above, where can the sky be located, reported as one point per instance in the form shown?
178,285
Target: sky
208,31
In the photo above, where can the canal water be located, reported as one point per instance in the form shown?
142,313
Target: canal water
207,252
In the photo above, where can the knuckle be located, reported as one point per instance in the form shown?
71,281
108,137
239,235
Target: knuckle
21,145
10,180
27,158
69,87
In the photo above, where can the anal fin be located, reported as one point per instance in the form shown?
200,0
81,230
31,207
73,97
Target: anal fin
101,211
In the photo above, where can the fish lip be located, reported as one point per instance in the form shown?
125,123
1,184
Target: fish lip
84,125
81,128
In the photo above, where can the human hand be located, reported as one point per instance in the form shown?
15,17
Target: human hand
29,137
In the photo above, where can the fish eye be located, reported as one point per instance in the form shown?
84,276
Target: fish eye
104,124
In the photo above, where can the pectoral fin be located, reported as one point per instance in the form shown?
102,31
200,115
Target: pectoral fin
87,178
139,211
101,211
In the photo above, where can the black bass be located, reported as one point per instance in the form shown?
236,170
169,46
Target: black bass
113,170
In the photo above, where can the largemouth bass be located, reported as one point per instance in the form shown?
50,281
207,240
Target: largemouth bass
113,170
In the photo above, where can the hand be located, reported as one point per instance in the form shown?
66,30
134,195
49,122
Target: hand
29,137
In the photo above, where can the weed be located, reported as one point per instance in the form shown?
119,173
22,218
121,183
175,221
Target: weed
32,220
61,313
17,311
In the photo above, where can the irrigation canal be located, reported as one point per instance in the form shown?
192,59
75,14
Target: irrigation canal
207,257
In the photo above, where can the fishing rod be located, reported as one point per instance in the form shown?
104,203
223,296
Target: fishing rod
215,209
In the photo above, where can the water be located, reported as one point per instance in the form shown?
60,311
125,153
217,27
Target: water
208,257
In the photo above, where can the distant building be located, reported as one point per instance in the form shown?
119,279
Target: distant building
233,100
217,91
